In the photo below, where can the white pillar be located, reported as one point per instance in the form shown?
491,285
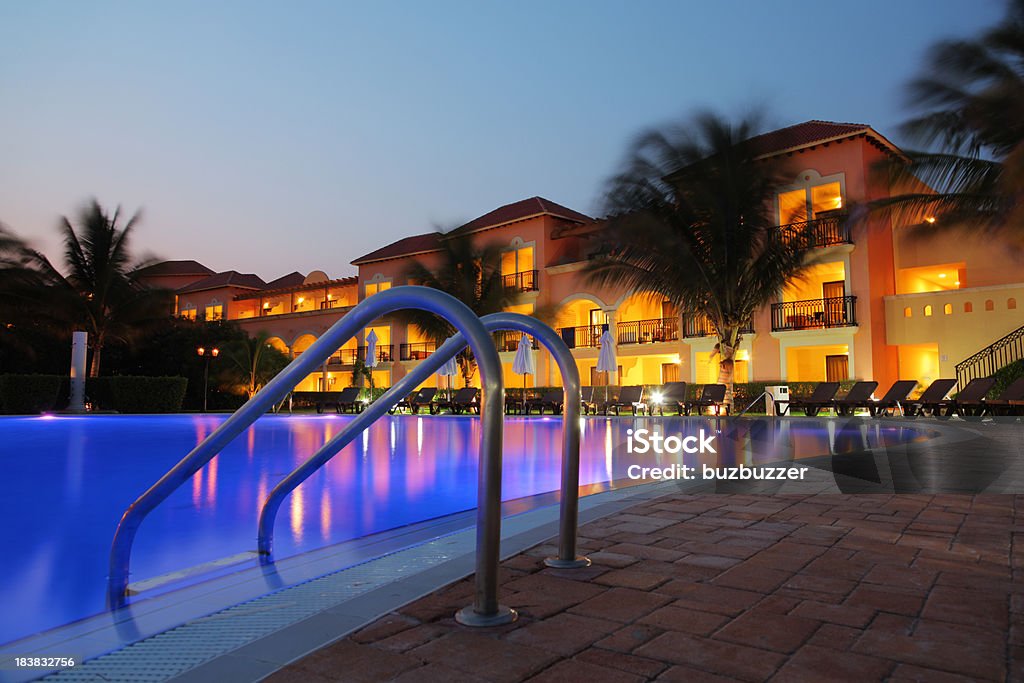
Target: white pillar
79,348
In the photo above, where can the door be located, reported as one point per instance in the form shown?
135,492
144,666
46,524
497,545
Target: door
834,304
598,324
837,368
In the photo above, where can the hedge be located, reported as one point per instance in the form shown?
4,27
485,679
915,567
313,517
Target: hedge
29,394
132,394
1005,377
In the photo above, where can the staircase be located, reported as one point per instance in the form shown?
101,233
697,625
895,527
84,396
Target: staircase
992,358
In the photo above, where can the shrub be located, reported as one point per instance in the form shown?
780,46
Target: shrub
1006,376
28,394
129,394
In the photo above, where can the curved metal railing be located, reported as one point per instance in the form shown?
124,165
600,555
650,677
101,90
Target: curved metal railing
486,609
569,510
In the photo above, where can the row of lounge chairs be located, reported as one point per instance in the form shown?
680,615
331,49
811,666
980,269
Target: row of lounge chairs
970,401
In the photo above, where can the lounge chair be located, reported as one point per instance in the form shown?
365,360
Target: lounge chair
418,399
551,399
631,397
587,400
673,394
1010,402
894,399
347,400
933,400
820,399
711,396
857,397
465,399
970,401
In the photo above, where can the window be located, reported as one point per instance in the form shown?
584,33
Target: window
928,311
1011,304
908,312
968,307
990,305
189,313
214,312
947,309
375,287
800,205
669,372
517,261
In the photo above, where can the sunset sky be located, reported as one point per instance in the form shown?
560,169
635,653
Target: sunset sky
270,137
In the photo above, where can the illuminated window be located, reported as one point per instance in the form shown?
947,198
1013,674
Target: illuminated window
189,313
990,305
968,307
1011,304
375,287
826,198
214,312
928,311
517,260
797,205
947,309
792,207
908,312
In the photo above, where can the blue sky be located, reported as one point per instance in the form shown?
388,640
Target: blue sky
271,137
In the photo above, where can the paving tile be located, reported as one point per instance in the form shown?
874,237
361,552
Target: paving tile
931,654
633,664
884,599
977,608
631,578
575,671
563,634
769,631
814,664
608,559
907,673
672,618
713,656
628,638
710,598
646,552
385,627
482,655
433,672
684,674
356,663
753,577
835,637
621,604
843,615
413,637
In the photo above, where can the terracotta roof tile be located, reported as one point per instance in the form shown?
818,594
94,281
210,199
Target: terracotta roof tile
417,244
809,133
293,279
229,278
518,211
175,268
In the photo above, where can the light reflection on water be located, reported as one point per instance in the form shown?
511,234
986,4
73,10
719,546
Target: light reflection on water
66,482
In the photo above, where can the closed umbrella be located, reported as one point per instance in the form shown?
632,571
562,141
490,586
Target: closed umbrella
606,359
449,370
371,356
524,364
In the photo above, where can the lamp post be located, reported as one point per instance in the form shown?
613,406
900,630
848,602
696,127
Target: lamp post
208,355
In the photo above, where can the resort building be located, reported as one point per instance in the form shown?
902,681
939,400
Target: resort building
880,303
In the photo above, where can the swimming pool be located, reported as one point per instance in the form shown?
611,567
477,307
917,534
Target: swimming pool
67,480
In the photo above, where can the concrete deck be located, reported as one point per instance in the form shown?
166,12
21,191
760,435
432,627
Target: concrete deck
708,588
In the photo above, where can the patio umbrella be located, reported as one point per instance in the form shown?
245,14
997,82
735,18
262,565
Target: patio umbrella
371,356
606,359
449,370
524,364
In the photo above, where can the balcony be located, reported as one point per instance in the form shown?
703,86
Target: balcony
385,354
584,336
814,314
824,231
526,281
416,350
700,326
508,340
648,331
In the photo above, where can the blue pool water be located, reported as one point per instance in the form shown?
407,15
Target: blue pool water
65,481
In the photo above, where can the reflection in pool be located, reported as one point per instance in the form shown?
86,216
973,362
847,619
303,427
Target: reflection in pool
66,481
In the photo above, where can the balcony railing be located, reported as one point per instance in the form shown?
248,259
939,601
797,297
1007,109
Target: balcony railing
508,340
700,326
585,336
525,281
648,331
385,354
822,232
416,350
839,311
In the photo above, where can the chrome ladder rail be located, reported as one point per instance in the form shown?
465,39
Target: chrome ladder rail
486,608
569,498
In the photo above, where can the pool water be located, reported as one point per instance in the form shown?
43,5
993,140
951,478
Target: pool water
65,482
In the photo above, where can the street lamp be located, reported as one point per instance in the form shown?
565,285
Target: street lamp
207,354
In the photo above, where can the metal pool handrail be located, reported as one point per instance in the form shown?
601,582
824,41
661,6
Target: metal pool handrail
491,411
569,504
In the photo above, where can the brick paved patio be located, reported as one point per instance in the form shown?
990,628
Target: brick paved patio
709,588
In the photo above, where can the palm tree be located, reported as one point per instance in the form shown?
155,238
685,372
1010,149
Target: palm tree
252,362
692,219
469,273
970,127
100,292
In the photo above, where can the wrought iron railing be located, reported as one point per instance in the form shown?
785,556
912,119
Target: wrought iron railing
837,311
508,340
700,326
584,336
992,358
525,281
385,354
416,350
821,232
648,331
